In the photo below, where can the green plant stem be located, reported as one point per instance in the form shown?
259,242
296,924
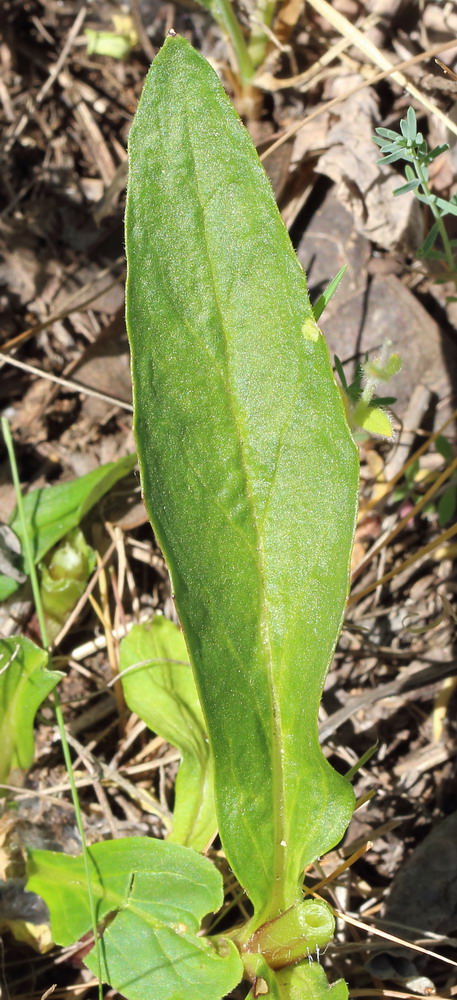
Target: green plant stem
223,12
436,214
31,570
30,562
263,16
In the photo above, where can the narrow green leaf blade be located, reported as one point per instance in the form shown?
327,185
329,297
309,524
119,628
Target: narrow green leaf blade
410,186
328,293
161,690
152,895
53,511
25,682
249,470
447,207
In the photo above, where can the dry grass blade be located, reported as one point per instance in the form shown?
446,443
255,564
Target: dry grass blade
394,993
19,127
390,485
66,383
392,937
84,597
405,520
342,868
371,51
421,57
424,551
268,82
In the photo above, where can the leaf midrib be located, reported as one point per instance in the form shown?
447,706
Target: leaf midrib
273,903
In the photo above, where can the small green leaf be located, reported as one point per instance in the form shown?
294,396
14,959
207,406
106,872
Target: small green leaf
437,151
361,761
308,980
429,241
161,690
411,124
393,157
25,682
383,401
390,147
340,371
447,505
150,898
387,133
382,369
410,186
63,579
447,207
444,447
328,293
108,43
53,511
372,419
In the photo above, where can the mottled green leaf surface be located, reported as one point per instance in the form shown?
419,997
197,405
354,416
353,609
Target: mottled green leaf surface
25,681
249,470
151,897
159,686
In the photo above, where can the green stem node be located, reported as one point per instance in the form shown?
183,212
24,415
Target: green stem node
294,935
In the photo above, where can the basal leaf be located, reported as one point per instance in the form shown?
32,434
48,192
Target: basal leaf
25,682
248,466
161,690
150,898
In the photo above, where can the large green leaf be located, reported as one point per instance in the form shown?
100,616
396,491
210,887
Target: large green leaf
150,897
249,469
52,511
25,682
161,690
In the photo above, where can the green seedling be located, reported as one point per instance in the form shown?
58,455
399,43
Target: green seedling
364,409
25,682
411,146
116,44
250,476
64,577
249,45
51,512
